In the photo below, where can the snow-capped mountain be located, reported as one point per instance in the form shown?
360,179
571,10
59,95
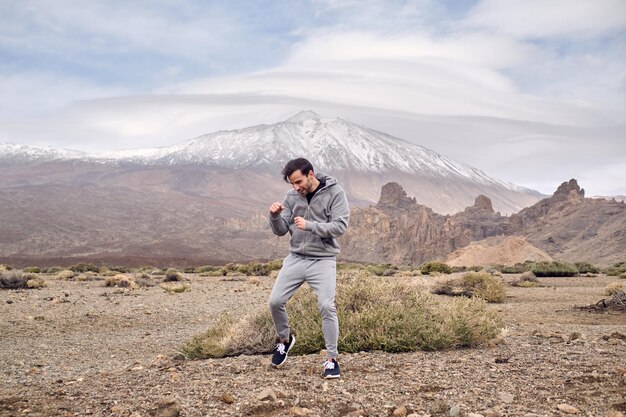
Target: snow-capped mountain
332,144
362,159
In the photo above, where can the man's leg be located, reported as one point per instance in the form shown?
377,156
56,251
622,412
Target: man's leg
290,278
322,277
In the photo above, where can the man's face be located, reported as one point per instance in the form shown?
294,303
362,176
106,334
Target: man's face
301,183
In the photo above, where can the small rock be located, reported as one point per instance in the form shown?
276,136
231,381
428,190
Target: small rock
160,361
9,301
267,395
455,411
506,397
614,413
491,413
299,411
179,357
574,336
474,415
567,409
227,398
168,407
439,406
400,411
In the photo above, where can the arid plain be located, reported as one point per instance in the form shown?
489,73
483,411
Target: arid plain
76,348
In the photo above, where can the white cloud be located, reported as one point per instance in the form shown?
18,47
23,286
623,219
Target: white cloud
508,88
553,18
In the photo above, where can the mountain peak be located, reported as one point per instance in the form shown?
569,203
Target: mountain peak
303,116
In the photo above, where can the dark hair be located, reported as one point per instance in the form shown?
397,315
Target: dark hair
297,164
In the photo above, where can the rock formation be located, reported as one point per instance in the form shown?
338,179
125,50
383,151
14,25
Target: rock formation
566,225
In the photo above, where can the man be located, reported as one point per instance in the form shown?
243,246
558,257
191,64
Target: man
314,212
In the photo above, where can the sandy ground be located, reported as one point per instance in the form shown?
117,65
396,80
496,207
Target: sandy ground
79,348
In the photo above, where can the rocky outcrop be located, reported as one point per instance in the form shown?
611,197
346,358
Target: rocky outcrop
398,230
566,226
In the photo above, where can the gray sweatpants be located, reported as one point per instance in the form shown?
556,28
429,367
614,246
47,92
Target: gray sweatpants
321,275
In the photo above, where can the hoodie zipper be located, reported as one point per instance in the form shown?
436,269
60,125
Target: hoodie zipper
306,217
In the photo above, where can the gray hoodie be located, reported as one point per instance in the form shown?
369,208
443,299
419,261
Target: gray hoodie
326,219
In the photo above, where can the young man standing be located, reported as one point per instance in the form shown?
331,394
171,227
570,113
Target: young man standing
315,212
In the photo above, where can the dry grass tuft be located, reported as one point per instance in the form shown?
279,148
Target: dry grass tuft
526,280
175,288
613,288
65,275
15,280
374,314
35,282
474,284
172,275
122,281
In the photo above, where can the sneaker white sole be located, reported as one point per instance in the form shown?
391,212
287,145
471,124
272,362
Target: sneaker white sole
332,376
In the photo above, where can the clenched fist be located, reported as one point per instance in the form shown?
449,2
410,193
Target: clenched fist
276,208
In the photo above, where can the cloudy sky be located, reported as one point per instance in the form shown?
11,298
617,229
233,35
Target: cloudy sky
529,91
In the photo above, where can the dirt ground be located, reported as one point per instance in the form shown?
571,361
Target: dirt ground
82,349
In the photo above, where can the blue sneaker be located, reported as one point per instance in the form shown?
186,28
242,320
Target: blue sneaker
331,369
281,350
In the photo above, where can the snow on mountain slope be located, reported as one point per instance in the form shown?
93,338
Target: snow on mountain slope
17,153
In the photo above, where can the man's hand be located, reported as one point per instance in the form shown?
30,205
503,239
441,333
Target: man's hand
300,222
276,208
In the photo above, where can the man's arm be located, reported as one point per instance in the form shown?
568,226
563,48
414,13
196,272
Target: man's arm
279,217
339,216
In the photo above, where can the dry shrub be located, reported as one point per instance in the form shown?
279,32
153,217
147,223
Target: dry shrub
254,280
429,267
175,287
65,275
526,280
474,284
15,280
106,272
35,281
4,268
120,280
88,276
617,302
172,275
613,288
143,279
374,314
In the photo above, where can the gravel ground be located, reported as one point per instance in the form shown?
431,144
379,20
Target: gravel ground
79,348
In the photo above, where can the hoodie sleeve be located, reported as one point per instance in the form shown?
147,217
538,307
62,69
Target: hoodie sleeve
339,216
280,222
